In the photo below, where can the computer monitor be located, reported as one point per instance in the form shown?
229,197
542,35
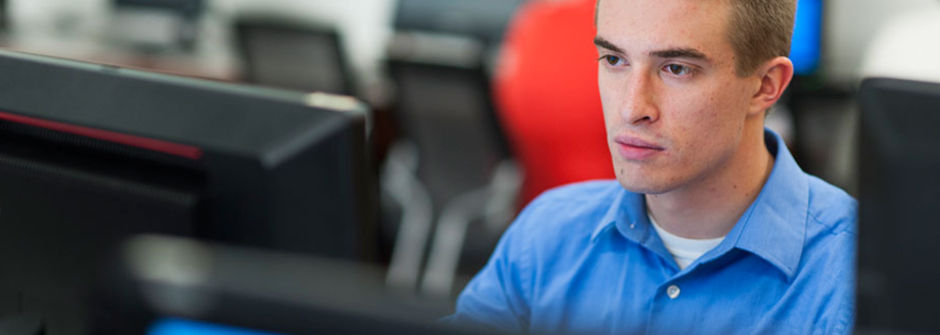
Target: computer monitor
899,189
481,19
92,154
186,8
162,285
156,25
807,34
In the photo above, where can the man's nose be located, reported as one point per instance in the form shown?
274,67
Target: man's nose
640,99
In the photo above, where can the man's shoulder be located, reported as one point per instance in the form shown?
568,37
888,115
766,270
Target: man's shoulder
828,258
570,208
585,192
832,207
588,198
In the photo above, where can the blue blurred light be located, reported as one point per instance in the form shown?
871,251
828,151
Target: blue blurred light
806,36
173,326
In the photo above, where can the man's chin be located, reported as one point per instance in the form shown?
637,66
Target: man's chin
644,185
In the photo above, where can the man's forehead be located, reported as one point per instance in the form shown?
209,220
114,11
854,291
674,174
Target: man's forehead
675,4
650,25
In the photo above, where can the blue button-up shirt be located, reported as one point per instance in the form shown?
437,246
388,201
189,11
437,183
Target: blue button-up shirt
584,259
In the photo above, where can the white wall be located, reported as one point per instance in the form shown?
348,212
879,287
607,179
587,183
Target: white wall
851,27
908,47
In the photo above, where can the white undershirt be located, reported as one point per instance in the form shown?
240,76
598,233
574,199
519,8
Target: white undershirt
684,250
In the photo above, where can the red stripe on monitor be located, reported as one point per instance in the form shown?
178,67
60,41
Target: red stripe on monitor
171,148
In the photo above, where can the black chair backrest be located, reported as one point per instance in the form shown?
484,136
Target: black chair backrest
296,56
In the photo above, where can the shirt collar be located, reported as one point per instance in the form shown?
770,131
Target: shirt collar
772,227
628,214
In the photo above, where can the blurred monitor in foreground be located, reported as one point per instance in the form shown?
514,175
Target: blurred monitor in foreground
90,155
899,197
173,286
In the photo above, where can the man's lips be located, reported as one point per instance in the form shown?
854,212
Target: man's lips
634,148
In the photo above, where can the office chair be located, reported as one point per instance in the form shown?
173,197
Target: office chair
301,56
4,15
546,96
461,158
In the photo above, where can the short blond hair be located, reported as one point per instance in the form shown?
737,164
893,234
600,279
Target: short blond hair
760,30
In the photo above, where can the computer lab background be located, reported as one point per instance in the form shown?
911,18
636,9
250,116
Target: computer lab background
447,171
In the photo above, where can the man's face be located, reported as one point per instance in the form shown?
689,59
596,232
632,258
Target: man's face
674,108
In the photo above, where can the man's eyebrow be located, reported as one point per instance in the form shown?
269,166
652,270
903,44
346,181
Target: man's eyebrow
601,42
689,53
680,53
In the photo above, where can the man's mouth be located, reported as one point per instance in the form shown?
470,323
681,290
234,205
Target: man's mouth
635,148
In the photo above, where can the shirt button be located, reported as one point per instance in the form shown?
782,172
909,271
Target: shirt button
672,291
632,225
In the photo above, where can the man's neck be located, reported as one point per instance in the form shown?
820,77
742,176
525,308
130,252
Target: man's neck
710,207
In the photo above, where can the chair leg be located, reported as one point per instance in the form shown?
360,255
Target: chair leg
399,179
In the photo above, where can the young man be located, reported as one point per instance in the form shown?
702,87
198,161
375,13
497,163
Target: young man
712,228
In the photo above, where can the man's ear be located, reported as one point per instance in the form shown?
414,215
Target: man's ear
774,76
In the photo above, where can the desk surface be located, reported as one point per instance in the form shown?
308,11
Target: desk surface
195,63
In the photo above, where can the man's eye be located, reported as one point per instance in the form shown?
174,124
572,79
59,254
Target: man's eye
678,70
612,60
